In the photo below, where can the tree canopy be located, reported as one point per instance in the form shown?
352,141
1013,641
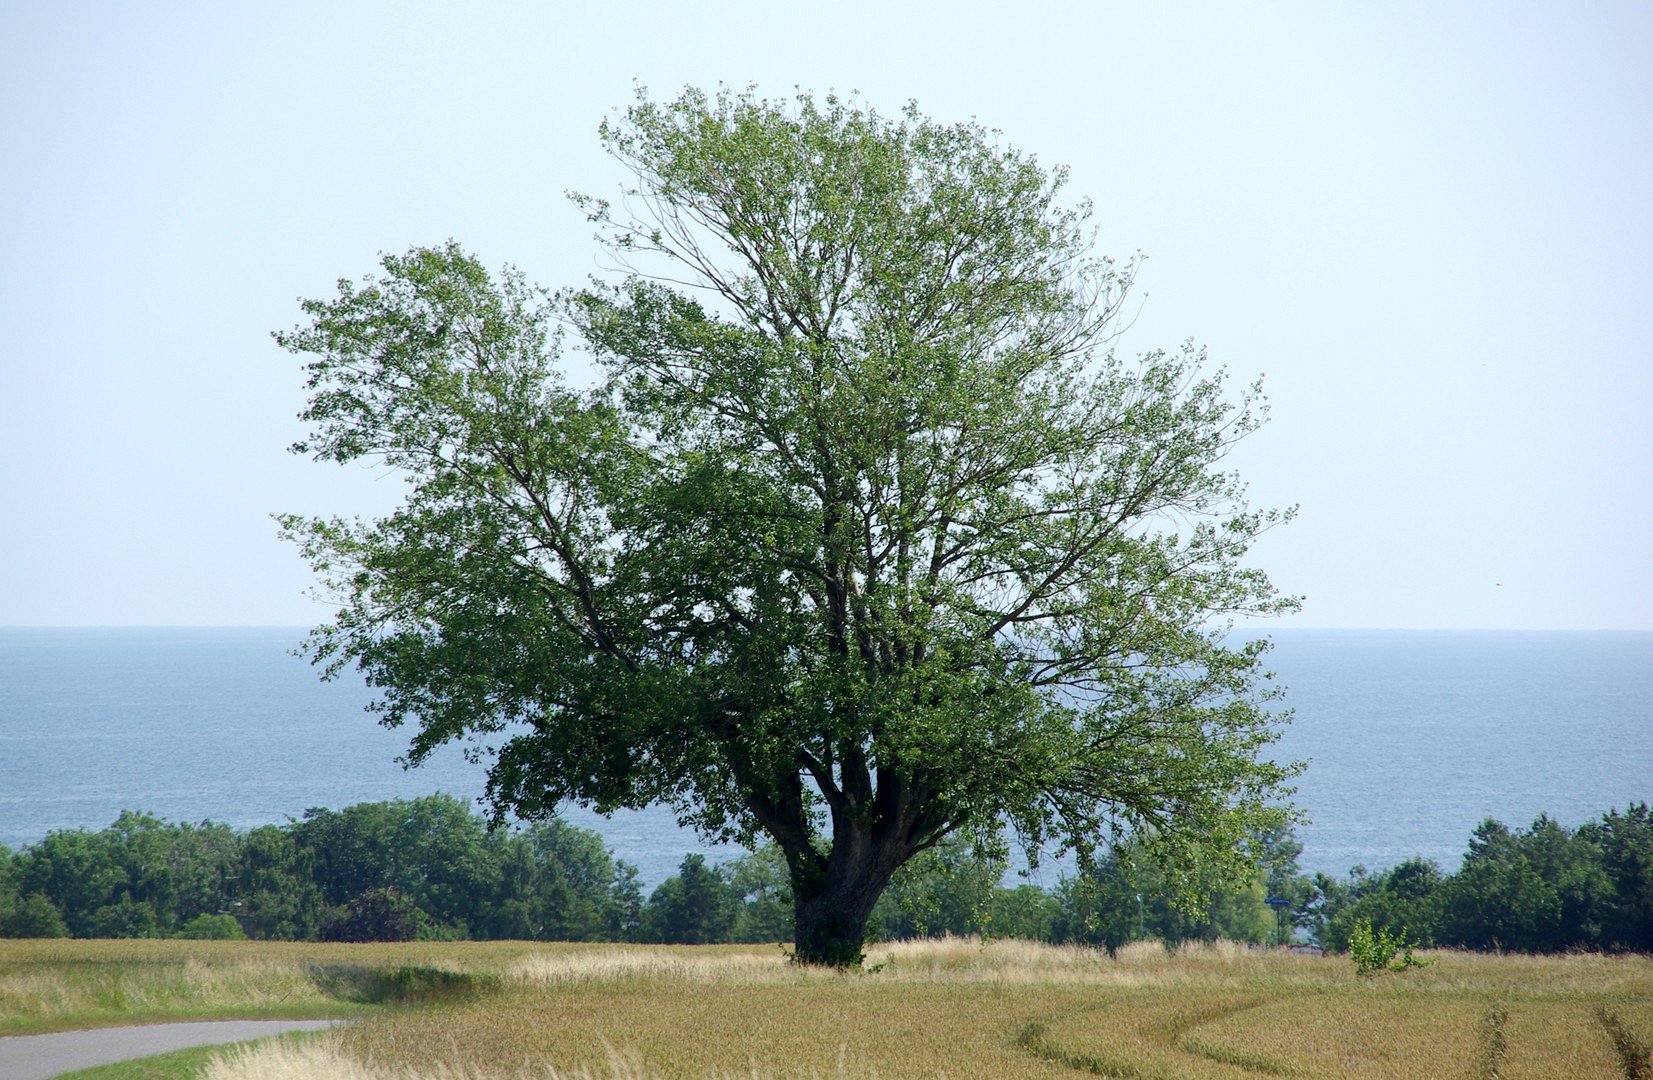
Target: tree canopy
865,537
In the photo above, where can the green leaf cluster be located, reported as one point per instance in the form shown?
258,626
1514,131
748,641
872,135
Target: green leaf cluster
1374,952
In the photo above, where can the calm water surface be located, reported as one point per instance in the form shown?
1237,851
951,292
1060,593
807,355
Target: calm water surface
1412,737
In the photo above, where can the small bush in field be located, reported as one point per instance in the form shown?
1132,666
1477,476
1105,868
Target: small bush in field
1375,951
212,928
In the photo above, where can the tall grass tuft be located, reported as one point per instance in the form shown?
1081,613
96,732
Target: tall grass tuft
321,1059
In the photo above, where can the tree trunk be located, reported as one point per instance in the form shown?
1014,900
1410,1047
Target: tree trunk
830,930
830,919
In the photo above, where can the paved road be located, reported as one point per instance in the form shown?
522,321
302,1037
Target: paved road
37,1057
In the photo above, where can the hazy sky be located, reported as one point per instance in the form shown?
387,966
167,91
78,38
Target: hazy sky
1429,224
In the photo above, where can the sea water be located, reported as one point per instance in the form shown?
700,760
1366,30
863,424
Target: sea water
1411,738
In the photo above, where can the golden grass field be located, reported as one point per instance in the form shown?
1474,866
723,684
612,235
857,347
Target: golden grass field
957,1008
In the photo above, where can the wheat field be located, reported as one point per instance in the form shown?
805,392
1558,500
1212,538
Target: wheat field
953,1008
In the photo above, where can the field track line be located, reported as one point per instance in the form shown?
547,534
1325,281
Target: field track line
1635,1056
1031,1039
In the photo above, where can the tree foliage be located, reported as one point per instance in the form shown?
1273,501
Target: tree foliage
33,916
696,907
764,885
1405,902
144,877
1625,841
1127,897
133,879
1544,888
866,537
382,914
432,850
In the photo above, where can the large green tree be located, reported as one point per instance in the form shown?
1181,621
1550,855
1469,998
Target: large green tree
865,536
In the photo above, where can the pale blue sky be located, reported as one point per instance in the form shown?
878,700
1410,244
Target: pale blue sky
1429,224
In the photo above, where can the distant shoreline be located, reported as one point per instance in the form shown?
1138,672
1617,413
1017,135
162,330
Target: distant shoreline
1438,729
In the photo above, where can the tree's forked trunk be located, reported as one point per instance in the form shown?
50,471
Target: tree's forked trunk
830,919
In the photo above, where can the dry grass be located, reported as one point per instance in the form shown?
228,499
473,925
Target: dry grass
1350,1036
813,1027
650,964
1553,1039
957,1008
1132,1032
323,1059
1009,1009
55,985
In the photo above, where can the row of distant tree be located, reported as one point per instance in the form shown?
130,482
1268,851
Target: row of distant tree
145,877
1545,888
429,867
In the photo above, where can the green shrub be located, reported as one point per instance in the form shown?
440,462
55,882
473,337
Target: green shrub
1373,952
212,928
376,915
34,917
423,985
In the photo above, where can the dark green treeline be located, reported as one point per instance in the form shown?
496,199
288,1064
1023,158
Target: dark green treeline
1545,888
430,868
